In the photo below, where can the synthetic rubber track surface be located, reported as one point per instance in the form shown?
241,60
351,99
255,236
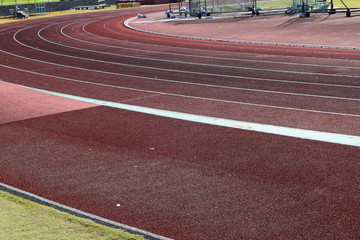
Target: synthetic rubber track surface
176,178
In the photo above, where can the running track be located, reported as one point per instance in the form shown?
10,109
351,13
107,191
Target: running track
180,178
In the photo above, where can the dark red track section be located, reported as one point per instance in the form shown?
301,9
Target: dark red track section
175,178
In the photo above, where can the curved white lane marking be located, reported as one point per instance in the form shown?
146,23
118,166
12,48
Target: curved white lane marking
184,96
176,61
170,94
203,55
257,127
181,71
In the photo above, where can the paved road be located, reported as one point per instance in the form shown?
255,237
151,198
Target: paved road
135,129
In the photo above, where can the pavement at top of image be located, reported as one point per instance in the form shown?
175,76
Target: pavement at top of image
319,30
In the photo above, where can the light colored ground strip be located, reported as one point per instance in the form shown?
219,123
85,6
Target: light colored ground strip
278,130
18,103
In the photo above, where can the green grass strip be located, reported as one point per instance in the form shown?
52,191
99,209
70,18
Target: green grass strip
23,219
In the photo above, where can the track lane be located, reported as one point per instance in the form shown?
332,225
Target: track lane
153,174
183,56
59,60
235,98
327,75
272,67
233,110
331,104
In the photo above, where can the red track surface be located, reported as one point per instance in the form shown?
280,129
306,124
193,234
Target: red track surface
176,178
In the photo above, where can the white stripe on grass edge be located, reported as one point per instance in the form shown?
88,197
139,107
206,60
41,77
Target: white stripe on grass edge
257,127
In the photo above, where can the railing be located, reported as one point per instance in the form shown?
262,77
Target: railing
22,2
223,6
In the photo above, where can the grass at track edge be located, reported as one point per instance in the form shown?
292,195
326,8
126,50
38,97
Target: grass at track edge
24,219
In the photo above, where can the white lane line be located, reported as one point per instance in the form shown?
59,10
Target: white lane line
179,95
271,129
174,61
198,72
202,55
172,70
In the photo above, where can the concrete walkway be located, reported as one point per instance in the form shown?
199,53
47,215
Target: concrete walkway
319,30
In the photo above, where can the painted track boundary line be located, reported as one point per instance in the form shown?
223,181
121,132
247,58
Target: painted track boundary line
349,140
197,55
163,69
79,213
180,62
166,80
